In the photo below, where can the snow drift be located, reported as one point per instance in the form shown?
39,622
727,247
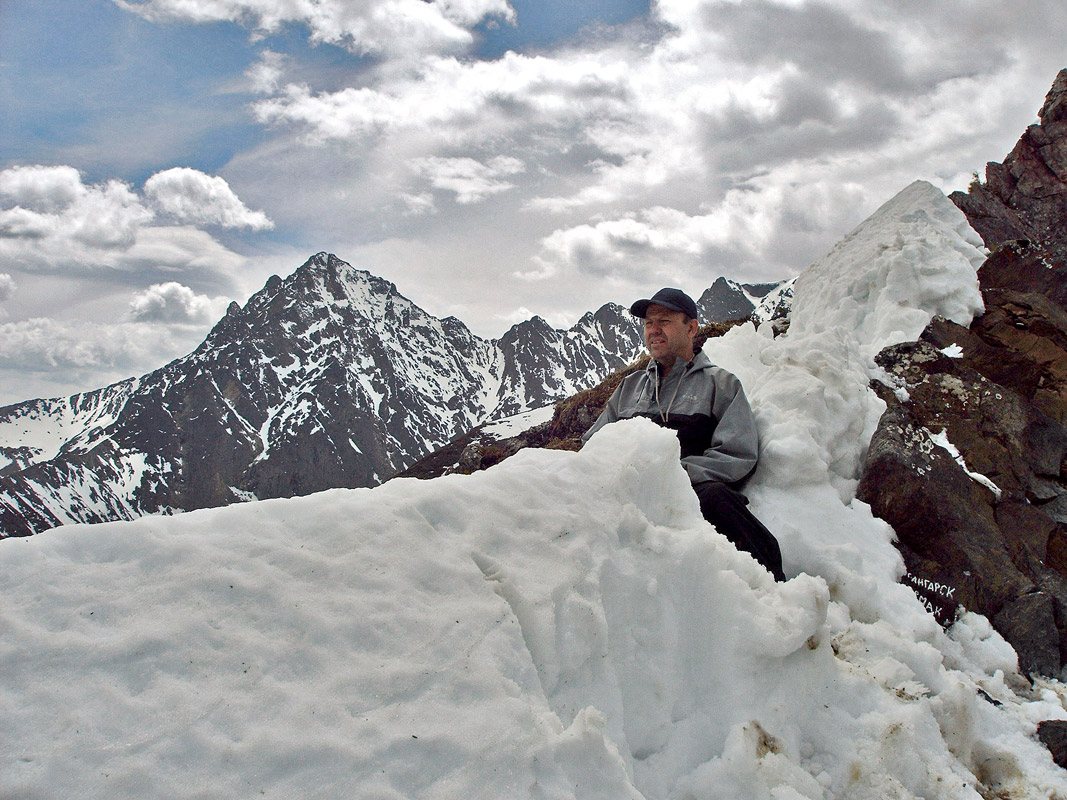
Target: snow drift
564,625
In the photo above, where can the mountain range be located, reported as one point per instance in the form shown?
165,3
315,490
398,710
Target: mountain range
332,378
328,378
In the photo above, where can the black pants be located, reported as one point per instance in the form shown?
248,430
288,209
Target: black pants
726,509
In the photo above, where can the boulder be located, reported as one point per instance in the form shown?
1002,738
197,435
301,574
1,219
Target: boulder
1053,734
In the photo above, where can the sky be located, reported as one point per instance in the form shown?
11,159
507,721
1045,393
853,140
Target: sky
495,160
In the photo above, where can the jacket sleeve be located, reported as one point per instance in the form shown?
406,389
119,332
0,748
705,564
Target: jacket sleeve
734,446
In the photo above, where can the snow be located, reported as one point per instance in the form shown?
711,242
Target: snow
563,625
917,256
518,423
242,496
39,430
941,440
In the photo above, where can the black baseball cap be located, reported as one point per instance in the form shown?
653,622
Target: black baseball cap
674,299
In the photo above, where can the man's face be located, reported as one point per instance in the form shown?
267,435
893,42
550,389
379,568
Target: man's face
668,335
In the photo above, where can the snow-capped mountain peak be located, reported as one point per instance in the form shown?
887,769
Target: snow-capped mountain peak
329,377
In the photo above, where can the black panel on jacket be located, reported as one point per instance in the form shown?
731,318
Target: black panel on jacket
694,430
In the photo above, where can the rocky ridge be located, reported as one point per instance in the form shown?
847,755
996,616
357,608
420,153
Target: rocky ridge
969,462
1025,197
727,300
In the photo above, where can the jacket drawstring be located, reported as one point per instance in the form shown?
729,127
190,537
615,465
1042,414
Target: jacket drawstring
677,386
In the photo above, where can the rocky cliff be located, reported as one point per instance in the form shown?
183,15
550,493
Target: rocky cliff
1026,196
969,462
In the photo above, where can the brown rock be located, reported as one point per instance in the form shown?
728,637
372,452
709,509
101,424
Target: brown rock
1028,624
1026,196
1053,734
941,516
1055,108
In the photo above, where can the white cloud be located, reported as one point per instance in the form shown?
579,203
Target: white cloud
7,287
266,74
394,28
172,302
51,221
44,344
663,242
416,204
462,102
53,203
727,90
468,178
190,196
178,249
721,137
45,190
47,357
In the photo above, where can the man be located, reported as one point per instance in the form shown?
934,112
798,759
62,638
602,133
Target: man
681,389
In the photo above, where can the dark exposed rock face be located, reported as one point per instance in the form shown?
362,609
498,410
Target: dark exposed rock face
969,463
727,300
1053,733
1026,196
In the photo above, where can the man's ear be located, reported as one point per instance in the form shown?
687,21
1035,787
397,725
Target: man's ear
694,326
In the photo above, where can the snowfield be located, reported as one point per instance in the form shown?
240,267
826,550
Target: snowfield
564,625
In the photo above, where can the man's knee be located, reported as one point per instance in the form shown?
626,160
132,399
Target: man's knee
724,507
716,496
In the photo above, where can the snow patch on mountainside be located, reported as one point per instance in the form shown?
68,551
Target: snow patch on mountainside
39,430
776,303
513,426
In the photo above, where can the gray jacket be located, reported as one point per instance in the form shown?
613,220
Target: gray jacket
705,404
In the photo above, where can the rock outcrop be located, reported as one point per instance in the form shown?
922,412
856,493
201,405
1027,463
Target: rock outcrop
969,462
1026,196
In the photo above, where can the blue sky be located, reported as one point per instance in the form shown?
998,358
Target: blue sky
79,75
494,159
